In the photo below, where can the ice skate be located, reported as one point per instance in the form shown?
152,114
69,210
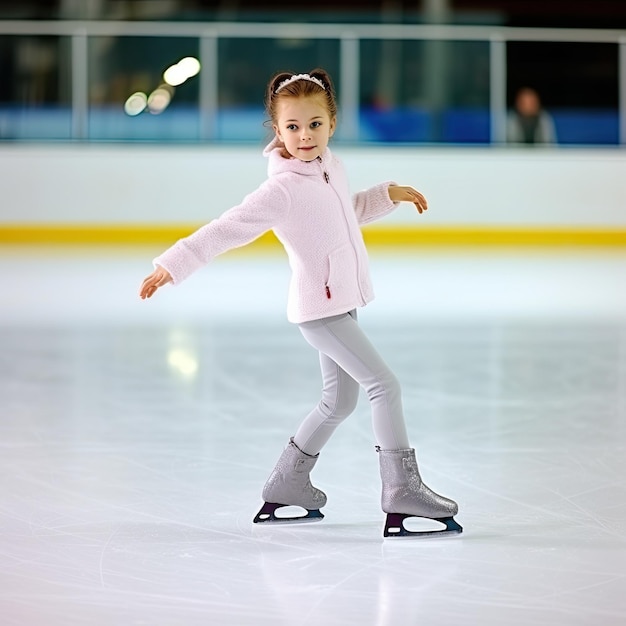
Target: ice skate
404,495
289,485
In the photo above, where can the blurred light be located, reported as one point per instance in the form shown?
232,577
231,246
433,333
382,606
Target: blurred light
136,103
159,100
183,361
190,65
177,74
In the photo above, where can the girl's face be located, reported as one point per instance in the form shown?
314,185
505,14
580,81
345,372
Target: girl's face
304,126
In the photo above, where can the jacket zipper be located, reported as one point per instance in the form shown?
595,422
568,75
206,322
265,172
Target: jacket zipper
327,179
326,176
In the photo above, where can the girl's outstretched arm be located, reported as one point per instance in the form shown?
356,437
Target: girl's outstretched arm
151,283
403,193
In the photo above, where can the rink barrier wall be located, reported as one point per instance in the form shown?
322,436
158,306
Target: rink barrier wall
136,194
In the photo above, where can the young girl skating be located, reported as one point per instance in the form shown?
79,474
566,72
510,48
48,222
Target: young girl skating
306,202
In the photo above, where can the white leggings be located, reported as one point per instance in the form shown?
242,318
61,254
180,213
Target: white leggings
348,360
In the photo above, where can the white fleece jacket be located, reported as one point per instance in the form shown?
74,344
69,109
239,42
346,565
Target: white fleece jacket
309,208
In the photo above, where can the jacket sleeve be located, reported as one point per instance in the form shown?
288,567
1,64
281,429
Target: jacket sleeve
259,212
373,203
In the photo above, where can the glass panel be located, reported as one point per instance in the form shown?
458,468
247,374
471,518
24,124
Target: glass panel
122,66
35,87
425,91
577,83
246,65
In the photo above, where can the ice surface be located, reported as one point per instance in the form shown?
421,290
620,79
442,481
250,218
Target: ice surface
135,438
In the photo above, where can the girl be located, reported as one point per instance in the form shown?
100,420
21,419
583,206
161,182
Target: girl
307,204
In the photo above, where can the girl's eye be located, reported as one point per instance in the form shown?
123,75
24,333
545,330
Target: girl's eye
292,127
316,124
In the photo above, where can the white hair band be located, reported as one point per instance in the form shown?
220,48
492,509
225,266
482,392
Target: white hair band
296,77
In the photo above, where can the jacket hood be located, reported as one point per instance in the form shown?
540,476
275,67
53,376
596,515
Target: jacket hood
278,164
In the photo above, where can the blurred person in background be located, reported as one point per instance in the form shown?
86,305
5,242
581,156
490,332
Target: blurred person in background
529,122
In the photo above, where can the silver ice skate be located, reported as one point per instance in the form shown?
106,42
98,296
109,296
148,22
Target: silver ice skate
405,495
289,485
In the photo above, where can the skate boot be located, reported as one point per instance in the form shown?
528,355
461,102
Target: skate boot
405,495
289,485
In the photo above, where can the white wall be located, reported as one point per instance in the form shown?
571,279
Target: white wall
192,184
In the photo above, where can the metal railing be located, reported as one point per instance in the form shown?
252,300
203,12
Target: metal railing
349,36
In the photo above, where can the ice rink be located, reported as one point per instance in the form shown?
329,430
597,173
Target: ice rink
135,439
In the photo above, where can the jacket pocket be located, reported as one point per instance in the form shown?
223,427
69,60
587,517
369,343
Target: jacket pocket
342,274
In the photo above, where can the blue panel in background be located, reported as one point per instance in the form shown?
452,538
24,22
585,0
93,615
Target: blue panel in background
112,124
395,125
35,123
466,126
246,124
586,127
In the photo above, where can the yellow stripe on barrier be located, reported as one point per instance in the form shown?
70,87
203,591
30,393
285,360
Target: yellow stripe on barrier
375,236
493,236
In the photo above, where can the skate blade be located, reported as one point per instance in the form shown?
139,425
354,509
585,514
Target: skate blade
267,515
394,527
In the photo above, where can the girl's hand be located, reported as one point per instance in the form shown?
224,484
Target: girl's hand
157,279
400,193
